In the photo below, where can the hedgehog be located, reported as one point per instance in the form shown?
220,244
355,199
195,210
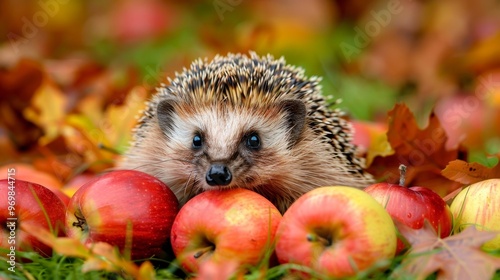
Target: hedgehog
249,122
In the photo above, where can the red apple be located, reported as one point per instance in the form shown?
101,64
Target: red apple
411,206
224,226
125,208
24,203
335,231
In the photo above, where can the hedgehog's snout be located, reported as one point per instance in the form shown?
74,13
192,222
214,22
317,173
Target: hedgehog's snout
218,175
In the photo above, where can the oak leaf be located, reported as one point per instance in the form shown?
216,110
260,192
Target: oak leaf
423,151
455,257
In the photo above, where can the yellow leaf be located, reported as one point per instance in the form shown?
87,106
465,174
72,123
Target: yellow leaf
119,120
146,271
47,110
107,257
70,247
379,146
63,245
90,107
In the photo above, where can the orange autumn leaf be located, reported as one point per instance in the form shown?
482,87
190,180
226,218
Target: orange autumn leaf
470,172
422,150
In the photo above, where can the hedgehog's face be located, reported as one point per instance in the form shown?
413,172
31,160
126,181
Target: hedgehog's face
231,146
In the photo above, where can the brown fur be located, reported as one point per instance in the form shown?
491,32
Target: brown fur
229,98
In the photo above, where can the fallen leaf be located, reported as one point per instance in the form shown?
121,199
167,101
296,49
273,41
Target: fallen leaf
63,245
14,92
119,120
47,110
97,256
423,151
455,257
483,55
470,172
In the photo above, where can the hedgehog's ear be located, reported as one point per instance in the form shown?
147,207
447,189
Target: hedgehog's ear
295,112
165,111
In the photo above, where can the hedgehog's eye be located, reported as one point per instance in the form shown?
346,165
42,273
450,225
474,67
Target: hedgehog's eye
197,142
253,141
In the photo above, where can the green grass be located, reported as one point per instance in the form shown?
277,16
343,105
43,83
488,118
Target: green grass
60,267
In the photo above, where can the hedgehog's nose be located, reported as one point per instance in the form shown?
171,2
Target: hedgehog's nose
218,175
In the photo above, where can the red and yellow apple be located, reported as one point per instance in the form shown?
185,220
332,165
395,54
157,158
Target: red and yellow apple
336,231
125,208
478,205
24,203
412,206
235,226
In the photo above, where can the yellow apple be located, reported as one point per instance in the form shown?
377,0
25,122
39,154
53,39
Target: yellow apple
479,205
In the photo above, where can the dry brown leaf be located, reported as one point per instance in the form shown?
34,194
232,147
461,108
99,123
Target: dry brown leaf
455,257
17,85
422,150
470,172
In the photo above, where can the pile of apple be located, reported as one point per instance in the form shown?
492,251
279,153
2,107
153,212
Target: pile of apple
335,231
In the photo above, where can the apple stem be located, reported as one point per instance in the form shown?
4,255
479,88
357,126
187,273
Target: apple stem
202,251
402,174
317,238
81,223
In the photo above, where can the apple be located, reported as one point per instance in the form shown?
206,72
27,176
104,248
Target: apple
224,226
335,231
412,206
478,205
125,208
24,203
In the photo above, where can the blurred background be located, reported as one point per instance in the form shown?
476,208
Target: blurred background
74,73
